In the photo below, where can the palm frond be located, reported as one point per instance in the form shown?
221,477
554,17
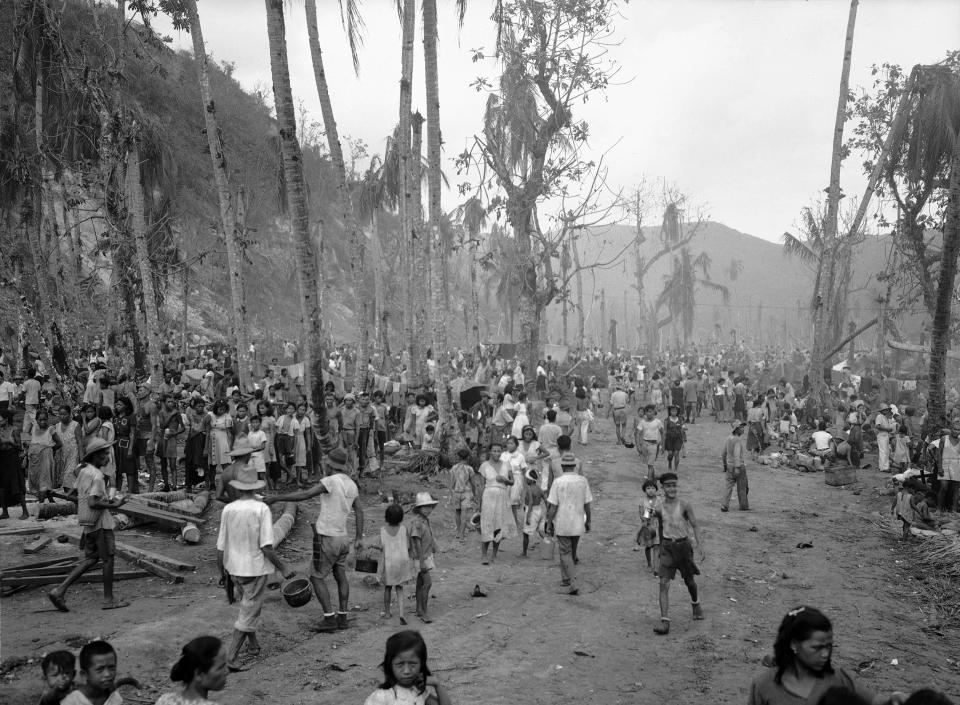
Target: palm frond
794,247
354,26
719,288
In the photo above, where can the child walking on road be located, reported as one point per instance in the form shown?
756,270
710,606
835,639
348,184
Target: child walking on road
676,551
734,469
395,567
422,548
649,534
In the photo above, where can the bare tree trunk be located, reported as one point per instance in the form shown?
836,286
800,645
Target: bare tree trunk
821,314
380,306
185,280
238,314
580,322
297,204
474,299
134,202
419,281
406,190
361,298
940,331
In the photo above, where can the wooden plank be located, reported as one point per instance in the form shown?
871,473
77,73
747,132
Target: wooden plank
127,552
148,511
85,578
154,568
37,544
22,531
42,564
49,570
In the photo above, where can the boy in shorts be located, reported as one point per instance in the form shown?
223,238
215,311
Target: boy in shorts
648,436
461,496
676,552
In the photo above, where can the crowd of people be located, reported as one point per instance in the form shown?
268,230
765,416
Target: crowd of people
515,475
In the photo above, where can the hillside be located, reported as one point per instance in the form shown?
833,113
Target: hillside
770,288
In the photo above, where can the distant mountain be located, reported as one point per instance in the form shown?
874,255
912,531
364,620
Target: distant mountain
769,294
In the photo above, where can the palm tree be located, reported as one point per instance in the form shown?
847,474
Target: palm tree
228,224
827,273
348,213
679,296
307,270
474,217
736,269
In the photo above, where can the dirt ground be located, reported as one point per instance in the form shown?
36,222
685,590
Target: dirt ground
526,641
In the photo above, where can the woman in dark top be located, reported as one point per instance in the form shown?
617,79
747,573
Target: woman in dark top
803,672
124,428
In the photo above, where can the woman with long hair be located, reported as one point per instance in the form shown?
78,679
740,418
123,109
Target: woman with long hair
124,426
803,670
496,521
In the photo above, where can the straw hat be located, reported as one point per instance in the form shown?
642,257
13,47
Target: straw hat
97,444
424,499
568,460
242,448
247,479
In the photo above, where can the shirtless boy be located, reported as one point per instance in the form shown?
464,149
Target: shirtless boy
676,552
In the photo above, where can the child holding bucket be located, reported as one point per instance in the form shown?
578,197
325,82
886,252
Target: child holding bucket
396,567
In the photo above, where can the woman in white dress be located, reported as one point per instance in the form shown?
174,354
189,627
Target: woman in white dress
512,459
496,522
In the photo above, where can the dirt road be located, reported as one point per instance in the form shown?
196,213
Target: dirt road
526,641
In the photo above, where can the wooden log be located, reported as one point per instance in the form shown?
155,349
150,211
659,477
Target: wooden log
130,553
165,497
155,569
124,521
190,533
96,577
283,524
49,511
36,544
158,516
172,507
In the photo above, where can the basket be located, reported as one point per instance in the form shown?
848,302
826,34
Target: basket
366,563
297,592
836,476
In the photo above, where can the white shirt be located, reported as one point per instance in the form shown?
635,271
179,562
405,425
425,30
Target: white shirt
257,458
822,439
569,493
8,391
246,526
335,504
75,697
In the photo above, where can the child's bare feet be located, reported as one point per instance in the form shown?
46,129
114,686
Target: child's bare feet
663,628
25,515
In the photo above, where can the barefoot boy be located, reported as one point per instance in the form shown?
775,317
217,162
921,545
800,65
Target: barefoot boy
533,501
676,551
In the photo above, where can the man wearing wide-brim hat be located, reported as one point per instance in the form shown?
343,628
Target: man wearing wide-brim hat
568,518
338,496
245,552
96,522
240,455
734,469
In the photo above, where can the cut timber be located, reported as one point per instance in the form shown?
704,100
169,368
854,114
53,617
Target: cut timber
85,578
190,533
917,349
36,544
158,516
131,553
165,497
177,507
49,511
43,564
283,525
22,531
49,570
125,522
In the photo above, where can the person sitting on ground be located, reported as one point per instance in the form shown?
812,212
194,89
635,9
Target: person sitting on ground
822,445
202,668
802,672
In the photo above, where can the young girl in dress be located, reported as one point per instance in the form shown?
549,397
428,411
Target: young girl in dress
109,434
268,424
43,442
406,678
287,427
396,567
673,438
513,459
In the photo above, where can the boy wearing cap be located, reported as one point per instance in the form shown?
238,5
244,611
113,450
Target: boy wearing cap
676,551
338,496
245,552
422,550
734,469
568,518
96,521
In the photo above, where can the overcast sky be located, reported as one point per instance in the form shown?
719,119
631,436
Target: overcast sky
734,100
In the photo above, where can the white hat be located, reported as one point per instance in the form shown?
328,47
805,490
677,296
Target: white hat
424,499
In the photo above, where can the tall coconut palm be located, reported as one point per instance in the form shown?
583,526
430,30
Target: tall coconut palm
228,224
307,270
347,211
827,272
679,296
405,166
474,217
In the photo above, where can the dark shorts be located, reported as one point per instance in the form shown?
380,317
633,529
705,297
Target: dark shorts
677,555
141,447
97,544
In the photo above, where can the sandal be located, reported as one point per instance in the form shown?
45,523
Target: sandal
115,605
